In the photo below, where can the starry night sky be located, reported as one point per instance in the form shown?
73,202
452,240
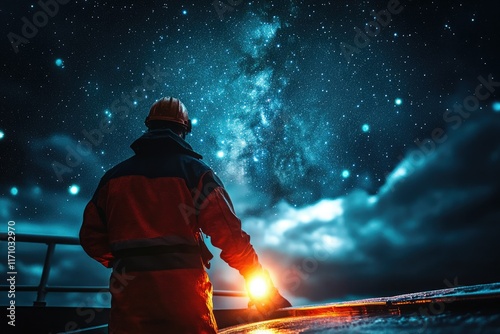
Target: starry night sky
362,162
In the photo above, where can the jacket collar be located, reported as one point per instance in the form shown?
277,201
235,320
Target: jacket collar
162,141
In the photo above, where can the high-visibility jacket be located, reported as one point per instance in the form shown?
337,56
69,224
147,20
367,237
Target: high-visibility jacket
143,221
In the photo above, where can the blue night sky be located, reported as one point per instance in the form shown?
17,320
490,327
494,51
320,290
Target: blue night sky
361,155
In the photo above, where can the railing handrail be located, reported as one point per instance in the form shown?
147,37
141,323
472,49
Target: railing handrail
102,288
42,289
43,239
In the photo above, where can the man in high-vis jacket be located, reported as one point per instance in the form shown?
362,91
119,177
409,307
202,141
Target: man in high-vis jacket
144,222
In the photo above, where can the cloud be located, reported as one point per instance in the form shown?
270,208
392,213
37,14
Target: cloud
64,161
431,221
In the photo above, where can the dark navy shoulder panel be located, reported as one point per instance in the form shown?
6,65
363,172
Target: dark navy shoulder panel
181,166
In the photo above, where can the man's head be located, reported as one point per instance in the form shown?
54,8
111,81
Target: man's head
169,113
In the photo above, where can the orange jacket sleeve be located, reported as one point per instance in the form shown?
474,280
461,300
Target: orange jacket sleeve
217,219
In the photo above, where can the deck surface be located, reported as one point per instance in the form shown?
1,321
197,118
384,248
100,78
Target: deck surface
468,309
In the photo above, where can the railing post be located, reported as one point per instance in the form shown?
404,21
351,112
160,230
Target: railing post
42,291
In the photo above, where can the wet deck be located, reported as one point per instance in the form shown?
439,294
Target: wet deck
469,309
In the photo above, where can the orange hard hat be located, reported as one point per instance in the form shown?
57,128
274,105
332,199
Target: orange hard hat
169,109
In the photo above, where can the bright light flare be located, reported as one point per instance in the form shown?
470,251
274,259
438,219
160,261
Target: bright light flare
258,287
74,189
346,173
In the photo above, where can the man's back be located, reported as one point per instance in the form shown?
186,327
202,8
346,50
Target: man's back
145,194
158,280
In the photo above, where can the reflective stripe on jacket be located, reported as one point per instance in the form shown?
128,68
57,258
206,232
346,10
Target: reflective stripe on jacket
143,221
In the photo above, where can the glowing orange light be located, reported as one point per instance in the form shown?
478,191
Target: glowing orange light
258,287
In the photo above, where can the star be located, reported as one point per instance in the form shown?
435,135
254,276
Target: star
74,189
14,191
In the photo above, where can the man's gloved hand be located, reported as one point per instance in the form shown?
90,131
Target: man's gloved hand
270,304
263,294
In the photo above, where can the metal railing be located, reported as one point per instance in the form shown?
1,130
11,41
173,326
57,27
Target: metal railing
43,288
